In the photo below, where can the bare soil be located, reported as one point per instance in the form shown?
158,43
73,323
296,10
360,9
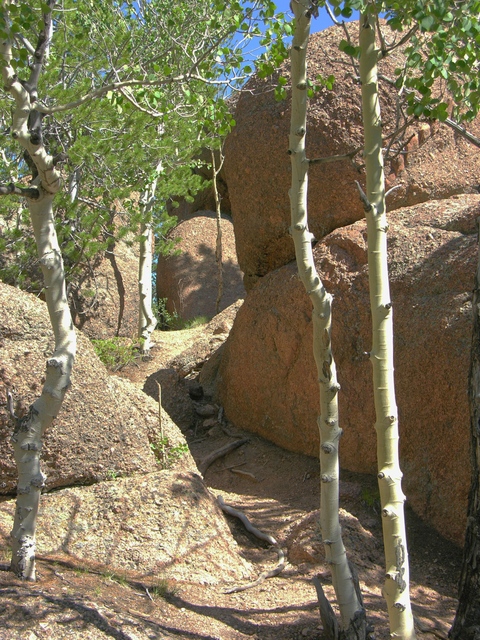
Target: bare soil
279,491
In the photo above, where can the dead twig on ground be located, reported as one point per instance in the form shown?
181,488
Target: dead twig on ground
219,453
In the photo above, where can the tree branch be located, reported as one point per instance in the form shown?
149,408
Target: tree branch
116,86
367,206
26,128
343,156
27,192
462,131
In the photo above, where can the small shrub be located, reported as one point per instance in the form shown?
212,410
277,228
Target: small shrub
163,589
166,321
195,322
115,577
167,454
371,499
116,353
172,322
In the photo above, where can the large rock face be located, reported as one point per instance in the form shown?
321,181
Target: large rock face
179,532
106,301
266,379
144,520
189,280
105,425
426,162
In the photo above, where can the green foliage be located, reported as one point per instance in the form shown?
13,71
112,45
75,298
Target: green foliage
114,576
164,589
166,321
116,353
166,453
349,49
321,83
172,322
167,103
442,50
442,59
371,498
198,321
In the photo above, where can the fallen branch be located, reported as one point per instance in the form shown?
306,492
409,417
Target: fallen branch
219,453
263,576
245,521
244,473
262,536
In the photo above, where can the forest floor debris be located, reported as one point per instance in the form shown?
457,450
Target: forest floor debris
279,492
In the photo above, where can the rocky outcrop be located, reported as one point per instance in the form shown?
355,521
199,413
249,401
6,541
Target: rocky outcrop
178,533
105,426
105,301
189,280
108,430
266,379
426,162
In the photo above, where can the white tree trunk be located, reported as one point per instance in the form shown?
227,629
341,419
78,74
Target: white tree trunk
330,431
396,588
146,318
29,430
218,244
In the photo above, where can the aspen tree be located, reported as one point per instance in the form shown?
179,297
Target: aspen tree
396,587
351,608
166,61
29,430
146,318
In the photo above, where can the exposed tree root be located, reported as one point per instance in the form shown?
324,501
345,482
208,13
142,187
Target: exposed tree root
219,453
263,576
262,536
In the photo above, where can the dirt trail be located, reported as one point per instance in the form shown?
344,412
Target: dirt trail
279,491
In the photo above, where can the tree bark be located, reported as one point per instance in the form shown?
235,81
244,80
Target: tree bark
29,431
28,435
218,245
466,625
330,432
146,318
396,587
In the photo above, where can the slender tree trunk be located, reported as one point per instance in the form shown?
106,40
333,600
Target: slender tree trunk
29,430
146,318
466,625
351,608
396,588
218,245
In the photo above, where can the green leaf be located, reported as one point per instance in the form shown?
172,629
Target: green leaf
349,49
427,22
